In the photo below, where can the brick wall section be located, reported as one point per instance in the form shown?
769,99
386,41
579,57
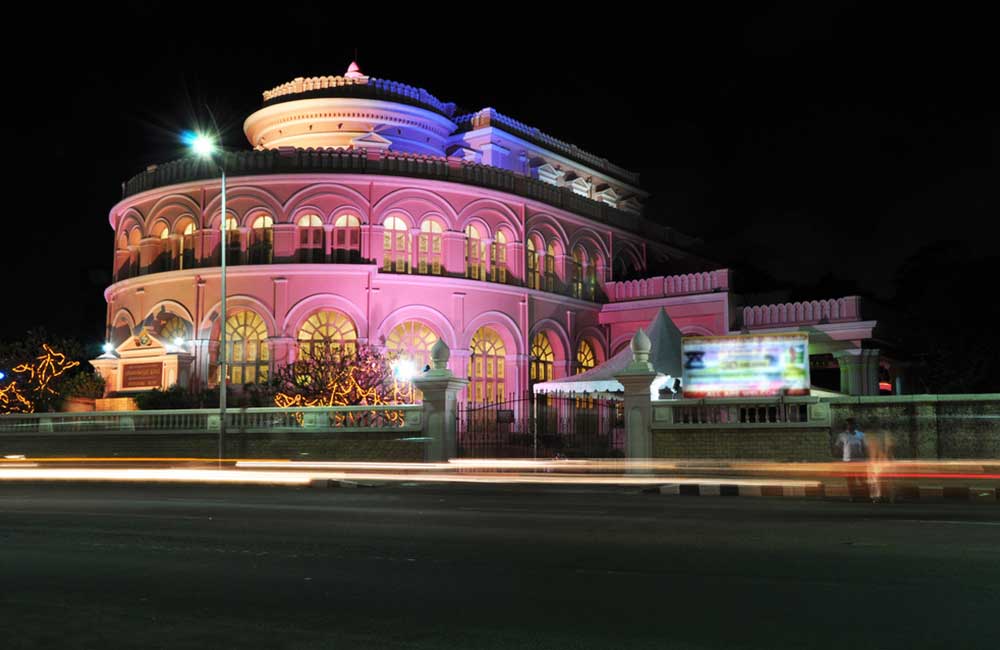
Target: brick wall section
792,444
391,446
928,426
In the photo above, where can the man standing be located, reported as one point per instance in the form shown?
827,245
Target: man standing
851,447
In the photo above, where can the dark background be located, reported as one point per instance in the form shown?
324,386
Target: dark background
814,148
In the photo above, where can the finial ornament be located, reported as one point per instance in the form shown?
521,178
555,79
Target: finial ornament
640,346
440,353
354,72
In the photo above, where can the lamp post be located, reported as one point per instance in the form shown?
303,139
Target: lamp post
205,147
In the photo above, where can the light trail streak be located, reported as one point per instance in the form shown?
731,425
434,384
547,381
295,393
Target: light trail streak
305,478
155,475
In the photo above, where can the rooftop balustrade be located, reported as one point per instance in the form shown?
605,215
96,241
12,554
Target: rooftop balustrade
365,87
812,312
670,285
488,117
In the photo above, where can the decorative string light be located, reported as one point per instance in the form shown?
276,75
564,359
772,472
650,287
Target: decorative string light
368,382
48,366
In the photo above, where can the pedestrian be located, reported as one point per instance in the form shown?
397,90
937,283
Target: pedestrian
850,448
880,452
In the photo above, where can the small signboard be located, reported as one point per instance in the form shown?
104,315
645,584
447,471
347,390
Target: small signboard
505,416
142,375
746,365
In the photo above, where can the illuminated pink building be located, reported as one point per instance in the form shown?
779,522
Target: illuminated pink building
370,211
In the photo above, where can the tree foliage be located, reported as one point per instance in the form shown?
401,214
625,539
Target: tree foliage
329,377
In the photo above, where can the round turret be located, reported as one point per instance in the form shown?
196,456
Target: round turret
352,111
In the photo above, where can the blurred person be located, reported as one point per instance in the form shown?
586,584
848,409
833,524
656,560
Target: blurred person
880,450
850,447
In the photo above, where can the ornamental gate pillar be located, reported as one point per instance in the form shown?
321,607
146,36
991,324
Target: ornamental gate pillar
858,371
636,379
440,388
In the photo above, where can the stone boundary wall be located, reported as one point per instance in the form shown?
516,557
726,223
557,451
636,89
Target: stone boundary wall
927,426
921,426
761,443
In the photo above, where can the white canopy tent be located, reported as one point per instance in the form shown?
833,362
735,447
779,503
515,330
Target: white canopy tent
665,356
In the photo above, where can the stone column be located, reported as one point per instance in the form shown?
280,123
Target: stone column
636,379
858,371
440,388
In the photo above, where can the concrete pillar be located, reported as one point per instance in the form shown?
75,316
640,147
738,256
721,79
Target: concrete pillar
150,250
858,371
440,388
285,242
636,379
453,253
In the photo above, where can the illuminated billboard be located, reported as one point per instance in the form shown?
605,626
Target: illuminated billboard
746,365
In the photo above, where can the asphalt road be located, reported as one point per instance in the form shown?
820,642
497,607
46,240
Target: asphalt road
106,566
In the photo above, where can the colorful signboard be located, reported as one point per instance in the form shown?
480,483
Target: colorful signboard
746,365
142,375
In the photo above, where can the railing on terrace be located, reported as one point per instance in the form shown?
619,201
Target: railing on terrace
289,160
489,117
812,312
251,420
366,87
670,285
740,413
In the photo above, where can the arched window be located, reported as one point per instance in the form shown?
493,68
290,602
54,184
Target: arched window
346,239
429,247
172,329
185,252
550,267
247,352
542,358
161,262
327,331
486,366
475,254
590,278
396,246
412,340
262,240
234,251
534,266
498,258
576,272
120,331
310,228
585,357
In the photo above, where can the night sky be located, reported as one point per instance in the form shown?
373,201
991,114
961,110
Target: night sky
817,147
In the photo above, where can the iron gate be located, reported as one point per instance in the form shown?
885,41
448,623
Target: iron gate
541,426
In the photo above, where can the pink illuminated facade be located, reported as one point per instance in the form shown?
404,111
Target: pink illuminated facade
370,211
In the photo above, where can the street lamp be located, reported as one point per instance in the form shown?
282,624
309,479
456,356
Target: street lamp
205,147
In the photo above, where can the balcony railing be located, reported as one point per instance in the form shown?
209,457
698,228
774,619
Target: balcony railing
333,161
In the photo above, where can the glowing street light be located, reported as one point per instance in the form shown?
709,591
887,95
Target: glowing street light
205,147
108,348
404,370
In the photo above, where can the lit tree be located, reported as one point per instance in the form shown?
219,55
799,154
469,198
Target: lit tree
329,377
32,383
